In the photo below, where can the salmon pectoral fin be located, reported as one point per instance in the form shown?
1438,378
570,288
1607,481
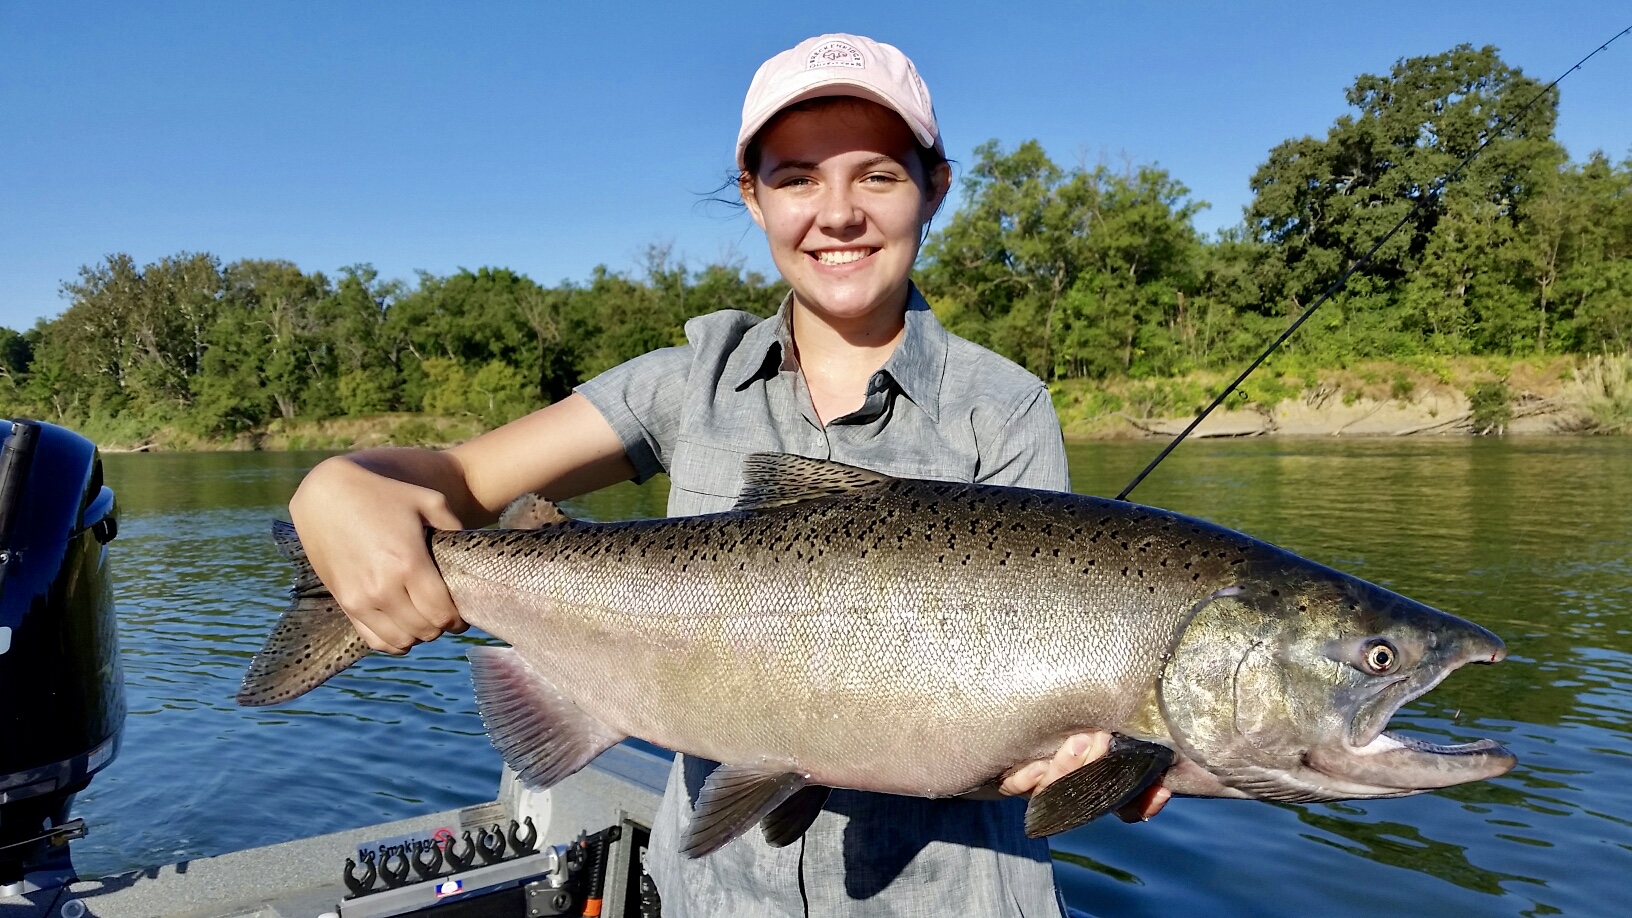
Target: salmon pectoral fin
311,642
787,822
1103,785
540,732
732,799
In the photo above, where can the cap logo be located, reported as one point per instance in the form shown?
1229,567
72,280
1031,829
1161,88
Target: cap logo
834,54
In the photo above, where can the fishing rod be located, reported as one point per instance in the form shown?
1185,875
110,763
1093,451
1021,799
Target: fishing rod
1342,279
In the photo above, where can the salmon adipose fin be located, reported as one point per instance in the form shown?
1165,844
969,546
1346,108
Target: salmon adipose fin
732,800
531,511
540,733
313,641
1105,784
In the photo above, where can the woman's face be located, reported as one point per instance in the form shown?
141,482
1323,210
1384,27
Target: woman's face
842,198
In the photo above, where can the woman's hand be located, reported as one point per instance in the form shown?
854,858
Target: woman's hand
362,517
364,533
1074,753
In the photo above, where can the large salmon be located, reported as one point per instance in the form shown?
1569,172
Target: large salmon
841,628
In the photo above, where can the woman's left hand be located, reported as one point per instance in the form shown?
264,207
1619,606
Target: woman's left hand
1074,753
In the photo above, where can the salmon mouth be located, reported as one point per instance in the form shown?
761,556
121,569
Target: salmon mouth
1395,764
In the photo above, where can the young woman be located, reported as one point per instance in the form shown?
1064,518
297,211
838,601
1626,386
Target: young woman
841,164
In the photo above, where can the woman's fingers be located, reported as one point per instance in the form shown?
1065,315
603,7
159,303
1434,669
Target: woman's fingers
1023,780
1149,802
373,640
1074,753
381,631
428,595
433,508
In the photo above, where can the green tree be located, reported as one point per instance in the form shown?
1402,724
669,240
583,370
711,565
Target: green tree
1321,204
1070,273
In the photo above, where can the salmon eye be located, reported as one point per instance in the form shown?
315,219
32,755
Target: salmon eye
1381,657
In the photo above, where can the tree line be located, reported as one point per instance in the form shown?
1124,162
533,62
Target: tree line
1083,271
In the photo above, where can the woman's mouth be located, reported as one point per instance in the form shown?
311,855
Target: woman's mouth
837,257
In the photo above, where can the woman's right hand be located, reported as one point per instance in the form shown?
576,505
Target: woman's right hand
365,535
362,517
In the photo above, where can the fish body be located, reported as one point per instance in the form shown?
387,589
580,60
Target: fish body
846,629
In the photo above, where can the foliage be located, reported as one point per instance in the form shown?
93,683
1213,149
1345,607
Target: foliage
1602,387
1084,273
1093,273
217,351
1491,407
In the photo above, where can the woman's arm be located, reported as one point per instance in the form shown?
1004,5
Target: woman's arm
362,517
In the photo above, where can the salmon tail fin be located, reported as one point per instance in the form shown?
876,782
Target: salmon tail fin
313,641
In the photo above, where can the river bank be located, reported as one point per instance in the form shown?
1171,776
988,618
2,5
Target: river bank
1428,397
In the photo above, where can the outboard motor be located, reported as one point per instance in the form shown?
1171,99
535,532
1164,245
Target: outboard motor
62,704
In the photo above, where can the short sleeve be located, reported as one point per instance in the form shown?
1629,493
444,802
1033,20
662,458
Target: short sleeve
1027,449
643,400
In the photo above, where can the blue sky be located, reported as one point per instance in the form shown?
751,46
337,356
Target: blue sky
552,137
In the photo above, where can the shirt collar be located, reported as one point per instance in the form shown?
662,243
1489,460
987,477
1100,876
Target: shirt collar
919,361
761,352
917,365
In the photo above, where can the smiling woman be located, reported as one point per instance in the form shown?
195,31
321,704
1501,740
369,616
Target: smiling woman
841,164
843,191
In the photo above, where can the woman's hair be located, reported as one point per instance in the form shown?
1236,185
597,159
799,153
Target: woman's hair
929,158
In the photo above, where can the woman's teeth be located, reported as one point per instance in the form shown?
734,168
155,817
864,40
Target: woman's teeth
842,256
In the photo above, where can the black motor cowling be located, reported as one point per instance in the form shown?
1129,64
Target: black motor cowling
62,704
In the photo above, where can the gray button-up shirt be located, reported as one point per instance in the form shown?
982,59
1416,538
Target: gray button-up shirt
939,408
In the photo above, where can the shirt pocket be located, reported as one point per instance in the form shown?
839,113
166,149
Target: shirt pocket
713,470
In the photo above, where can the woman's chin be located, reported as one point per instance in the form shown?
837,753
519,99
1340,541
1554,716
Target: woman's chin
847,299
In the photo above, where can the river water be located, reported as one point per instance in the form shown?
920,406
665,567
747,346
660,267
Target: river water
1529,537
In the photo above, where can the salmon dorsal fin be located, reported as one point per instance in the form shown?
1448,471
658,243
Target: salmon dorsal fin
778,479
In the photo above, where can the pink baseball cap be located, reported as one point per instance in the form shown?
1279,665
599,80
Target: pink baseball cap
839,65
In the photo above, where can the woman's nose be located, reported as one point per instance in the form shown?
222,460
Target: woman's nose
839,210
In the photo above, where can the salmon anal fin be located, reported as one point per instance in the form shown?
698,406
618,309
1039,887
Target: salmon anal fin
732,799
539,732
1097,788
778,479
787,822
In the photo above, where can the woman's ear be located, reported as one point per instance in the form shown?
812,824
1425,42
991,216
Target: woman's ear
940,185
748,189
